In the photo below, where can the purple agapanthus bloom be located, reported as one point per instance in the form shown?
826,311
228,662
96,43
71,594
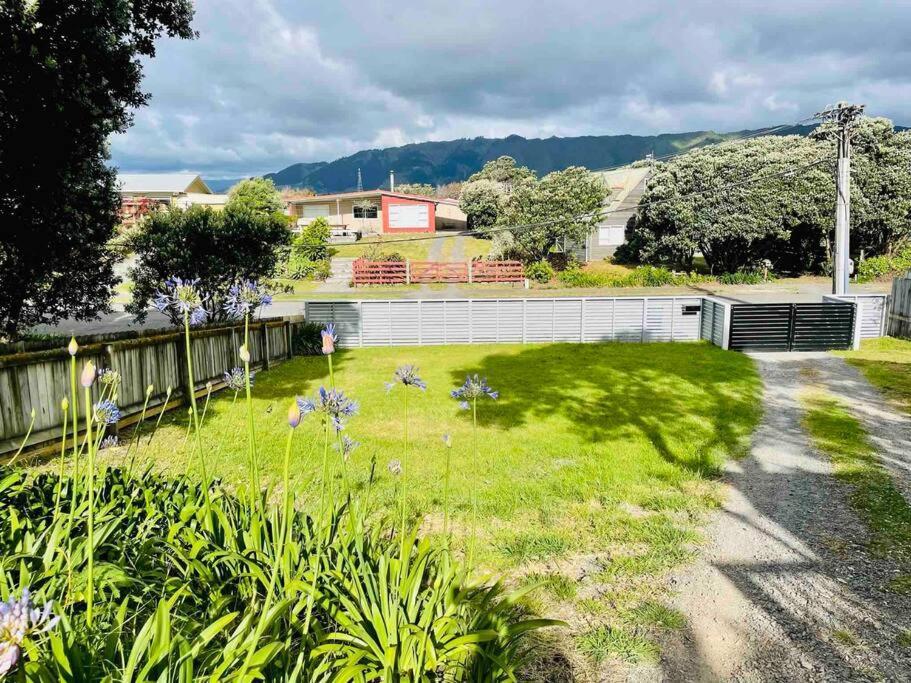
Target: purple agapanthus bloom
182,297
245,297
20,619
407,375
332,403
107,412
474,388
235,381
329,338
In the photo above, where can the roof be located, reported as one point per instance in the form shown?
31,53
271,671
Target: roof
622,182
174,183
364,194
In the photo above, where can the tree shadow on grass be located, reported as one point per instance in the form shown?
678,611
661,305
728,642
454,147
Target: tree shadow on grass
296,374
688,400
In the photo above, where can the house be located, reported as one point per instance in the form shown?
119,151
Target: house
378,212
142,192
626,186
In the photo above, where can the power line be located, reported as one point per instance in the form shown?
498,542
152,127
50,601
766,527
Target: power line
790,172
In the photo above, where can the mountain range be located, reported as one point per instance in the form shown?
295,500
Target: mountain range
438,163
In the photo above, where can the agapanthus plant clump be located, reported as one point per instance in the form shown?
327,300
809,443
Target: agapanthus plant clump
332,405
181,300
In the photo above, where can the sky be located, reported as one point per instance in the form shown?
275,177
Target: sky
273,82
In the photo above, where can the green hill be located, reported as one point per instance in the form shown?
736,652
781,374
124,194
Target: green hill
453,160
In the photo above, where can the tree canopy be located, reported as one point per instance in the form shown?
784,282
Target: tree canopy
70,77
219,248
773,198
256,194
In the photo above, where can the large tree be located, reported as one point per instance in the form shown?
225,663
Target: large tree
256,194
773,198
70,75
483,196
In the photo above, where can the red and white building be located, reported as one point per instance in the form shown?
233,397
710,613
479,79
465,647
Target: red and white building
373,212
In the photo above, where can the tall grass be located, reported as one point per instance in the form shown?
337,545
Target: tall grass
160,578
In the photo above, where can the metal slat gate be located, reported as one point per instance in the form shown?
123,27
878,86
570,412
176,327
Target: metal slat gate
792,327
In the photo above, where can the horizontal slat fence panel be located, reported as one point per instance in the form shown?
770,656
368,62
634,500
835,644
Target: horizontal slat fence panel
40,379
872,309
529,320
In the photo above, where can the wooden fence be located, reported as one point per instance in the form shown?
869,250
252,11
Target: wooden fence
424,272
899,322
38,380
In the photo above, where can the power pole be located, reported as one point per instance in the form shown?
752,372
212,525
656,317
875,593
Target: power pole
843,115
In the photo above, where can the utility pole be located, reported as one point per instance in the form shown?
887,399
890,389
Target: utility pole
843,115
360,184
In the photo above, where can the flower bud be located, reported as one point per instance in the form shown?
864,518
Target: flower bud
73,347
150,389
244,353
88,375
328,343
447,440
169,390
65,404
294,415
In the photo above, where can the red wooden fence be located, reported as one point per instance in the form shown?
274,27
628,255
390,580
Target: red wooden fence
422,272
379,272
497,271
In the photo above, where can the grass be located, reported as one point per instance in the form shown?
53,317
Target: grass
873,494
621,643
472,247
886,363
606,450
414,249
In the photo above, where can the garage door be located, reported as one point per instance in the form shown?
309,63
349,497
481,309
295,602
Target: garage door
311,211
409,216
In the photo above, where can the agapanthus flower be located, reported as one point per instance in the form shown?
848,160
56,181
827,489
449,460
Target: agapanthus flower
329,338
394,467
109,377
107,412
20,619
474,387
181,296
73,347
294,415
245,297
89,373
332,403
348,446
111,441
447,440
407,375
234,379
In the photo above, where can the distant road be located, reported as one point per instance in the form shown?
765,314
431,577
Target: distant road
119,320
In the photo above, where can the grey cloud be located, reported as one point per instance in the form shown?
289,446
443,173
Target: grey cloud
271,82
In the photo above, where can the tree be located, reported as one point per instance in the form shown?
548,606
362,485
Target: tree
421,189
504,171
565,204
256,194
309,254
219,248
482,201
69,78
699,202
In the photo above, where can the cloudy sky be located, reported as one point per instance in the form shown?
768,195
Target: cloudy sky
273,82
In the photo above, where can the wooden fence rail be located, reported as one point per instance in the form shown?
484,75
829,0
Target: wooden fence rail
424,272
38,380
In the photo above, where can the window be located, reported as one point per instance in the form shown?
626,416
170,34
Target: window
365,212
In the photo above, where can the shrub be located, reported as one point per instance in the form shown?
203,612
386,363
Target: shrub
307,339
308,258
877,267
744,277
539,271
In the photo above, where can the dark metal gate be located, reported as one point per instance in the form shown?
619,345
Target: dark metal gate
792,327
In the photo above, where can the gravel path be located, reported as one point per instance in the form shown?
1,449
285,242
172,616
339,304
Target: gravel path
784,589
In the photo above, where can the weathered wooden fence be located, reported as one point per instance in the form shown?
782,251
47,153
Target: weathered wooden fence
38,380
899,322
366,272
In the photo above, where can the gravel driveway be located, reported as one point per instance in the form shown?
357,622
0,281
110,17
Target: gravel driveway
784,589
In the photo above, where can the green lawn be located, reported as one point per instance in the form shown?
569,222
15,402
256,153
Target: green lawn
595,466
405,245
886,363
